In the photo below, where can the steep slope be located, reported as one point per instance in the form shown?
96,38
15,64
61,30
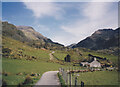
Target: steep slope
29,35
15,49
10,30
70,46
101,39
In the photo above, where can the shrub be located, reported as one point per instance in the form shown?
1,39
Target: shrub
28,80
4,83
6,50
19,73
62,82
5,73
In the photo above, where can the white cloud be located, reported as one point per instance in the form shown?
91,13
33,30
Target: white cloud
42,28
95,10
96,16
42,9
64,38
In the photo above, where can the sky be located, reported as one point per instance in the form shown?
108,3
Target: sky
62,22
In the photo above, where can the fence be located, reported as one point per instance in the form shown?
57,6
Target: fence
69,77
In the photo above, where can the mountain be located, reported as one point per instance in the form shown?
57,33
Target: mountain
10,30
29,35
101,39
70,46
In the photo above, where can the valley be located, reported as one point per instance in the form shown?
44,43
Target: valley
28,58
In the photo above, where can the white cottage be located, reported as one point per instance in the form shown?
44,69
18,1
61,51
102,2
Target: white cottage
95,63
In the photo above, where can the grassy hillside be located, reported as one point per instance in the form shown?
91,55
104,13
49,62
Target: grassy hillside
82,55
75,56
19,50
21,60
111,57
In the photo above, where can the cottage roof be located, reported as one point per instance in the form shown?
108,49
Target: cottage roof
95,62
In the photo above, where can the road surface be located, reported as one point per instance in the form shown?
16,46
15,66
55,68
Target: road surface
51,56
49,78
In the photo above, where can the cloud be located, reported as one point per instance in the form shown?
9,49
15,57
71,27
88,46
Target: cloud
43,28
64,38
42,9
96,16
96,10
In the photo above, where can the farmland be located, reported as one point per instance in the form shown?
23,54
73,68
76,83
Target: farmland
98,78
22,60
12,67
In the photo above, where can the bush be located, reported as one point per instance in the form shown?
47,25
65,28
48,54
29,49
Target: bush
62,82
4,83
6,50
5,73
28,80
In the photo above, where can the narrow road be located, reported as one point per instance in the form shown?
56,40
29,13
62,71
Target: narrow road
51,56
49,78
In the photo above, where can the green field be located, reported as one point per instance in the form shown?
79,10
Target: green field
12,67
23,60
98,78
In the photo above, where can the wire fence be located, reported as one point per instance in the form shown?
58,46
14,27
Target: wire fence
72,76
69,77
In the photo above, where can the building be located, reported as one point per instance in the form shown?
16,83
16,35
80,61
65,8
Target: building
95,63
67,58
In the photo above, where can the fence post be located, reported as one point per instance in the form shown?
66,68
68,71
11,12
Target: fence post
75,81
82,84
70,79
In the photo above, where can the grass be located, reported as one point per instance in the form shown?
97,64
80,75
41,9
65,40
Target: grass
42,64
60,55
62,82
98,78
75,56
17,46
111,57
13,67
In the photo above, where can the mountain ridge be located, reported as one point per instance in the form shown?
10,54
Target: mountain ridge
30,32
100,39
29,35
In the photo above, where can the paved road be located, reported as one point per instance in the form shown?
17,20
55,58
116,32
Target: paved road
49,78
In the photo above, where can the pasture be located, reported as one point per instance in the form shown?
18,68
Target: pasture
99,78
12,67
